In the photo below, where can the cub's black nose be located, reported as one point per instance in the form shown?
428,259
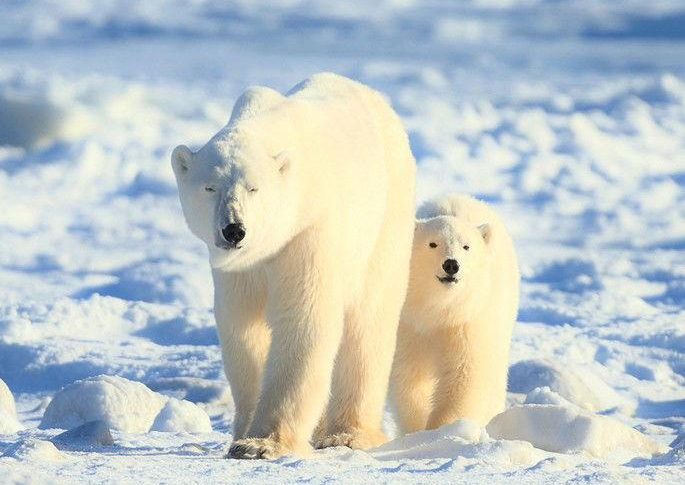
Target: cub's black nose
233,233
450,266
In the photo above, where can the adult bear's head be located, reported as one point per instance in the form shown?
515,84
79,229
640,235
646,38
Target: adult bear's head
239,194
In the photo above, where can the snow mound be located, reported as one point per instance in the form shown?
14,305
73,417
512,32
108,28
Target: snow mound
8,412
6,400
33,112
194,389
122,404
33,450
89,435
9,424
182,416
27,121
544,395
583,389
563,429
460,439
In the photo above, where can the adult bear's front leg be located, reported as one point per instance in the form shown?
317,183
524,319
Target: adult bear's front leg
239,309
305,312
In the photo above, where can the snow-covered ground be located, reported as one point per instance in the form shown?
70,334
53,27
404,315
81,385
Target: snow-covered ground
568,116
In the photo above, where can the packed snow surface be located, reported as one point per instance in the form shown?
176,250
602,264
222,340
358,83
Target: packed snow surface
37,451
566,116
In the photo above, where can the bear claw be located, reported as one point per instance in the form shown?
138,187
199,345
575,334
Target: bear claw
357,440
254,449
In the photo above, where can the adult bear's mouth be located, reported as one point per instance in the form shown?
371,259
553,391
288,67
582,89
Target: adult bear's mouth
447,279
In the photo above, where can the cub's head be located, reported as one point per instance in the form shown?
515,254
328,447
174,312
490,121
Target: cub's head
449,259
236,194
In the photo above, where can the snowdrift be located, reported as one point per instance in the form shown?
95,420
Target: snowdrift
36,450
34,113
521,436
8,412
179,415
123,405
463,439
562,429
584,389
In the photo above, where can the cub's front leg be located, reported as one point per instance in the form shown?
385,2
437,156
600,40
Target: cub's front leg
413,378
461,391
305,312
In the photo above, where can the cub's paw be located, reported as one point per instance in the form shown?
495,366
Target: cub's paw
255,449
355,439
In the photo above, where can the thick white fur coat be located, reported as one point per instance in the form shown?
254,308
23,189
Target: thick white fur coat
307,304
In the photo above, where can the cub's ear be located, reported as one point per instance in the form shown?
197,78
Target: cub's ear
181,158
282,162
486,232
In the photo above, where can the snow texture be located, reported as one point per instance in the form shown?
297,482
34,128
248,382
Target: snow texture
586,390
178,416
563,430
89,435
8,411
122,405
566,116
38,451
462,439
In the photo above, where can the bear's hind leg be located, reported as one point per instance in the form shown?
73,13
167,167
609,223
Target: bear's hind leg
361,375
364,360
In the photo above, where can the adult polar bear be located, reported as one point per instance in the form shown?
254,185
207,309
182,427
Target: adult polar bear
306,203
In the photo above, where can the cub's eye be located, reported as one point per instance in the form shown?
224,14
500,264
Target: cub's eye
466,248
209,188
433,245
253,189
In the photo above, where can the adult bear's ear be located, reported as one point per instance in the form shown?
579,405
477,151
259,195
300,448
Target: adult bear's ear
181,159
485,232
256,99
282,162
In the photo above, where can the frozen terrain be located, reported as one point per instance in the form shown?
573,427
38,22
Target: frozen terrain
567,116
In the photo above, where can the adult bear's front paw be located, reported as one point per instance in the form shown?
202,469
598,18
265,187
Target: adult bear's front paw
255,449
355,439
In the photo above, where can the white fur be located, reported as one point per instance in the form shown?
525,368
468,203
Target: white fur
453,343
323,268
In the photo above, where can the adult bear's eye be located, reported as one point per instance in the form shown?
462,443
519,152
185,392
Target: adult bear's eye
466,248
433,245
253,189
209,188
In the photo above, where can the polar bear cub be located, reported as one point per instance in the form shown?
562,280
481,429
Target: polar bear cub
452,350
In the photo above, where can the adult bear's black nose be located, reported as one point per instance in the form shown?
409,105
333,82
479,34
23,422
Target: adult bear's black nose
450,266
233,233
